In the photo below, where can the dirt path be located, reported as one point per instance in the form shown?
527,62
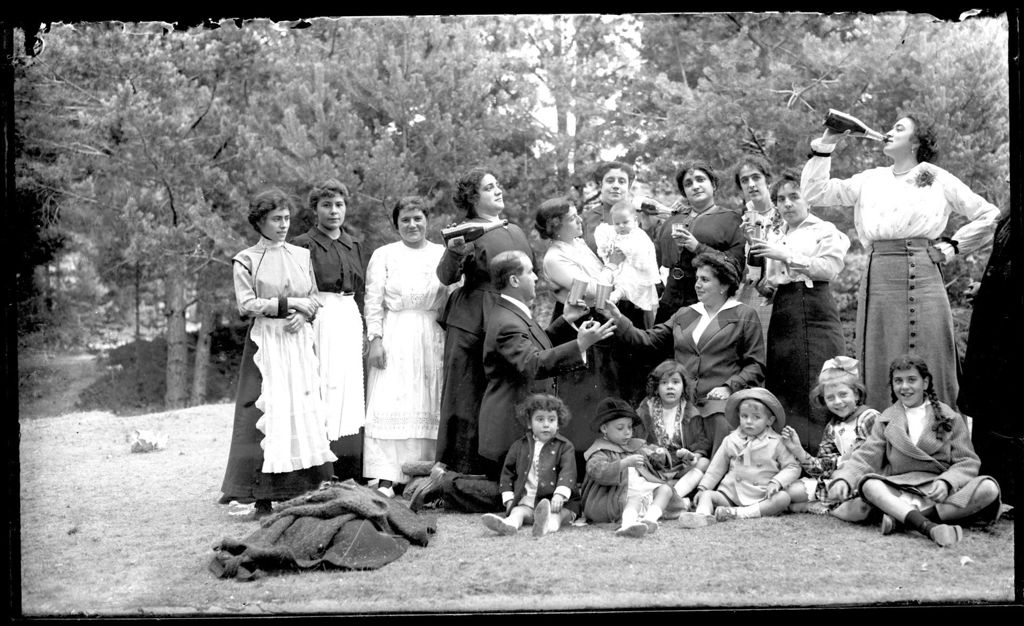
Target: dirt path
49,383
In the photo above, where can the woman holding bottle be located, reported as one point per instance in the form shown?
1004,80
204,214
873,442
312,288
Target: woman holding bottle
465,320
761,221
700,227
804,330
900,212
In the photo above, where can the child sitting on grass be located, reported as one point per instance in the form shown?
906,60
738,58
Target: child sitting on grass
538,478
839,390
676,426
917,465
619,485
751,469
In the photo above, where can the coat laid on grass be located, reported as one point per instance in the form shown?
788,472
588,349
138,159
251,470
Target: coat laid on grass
346,525
889,454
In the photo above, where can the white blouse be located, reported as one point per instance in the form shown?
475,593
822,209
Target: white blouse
565,261
705,319
399,278
915,204
267,271
917,419
818,251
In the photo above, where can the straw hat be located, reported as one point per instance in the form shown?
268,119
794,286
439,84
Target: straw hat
761,394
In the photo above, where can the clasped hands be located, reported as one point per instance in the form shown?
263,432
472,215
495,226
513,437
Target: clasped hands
300,310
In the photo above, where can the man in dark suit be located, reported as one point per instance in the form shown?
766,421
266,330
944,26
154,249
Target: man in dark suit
518,355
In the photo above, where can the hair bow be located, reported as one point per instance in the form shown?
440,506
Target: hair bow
845,363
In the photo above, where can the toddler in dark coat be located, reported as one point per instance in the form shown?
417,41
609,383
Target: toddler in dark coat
538,478
621,483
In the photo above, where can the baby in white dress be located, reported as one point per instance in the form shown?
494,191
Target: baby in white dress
635,273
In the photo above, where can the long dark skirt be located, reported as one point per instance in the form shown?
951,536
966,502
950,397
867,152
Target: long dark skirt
990,363
349,450
243,480
458,433
804,332
902,307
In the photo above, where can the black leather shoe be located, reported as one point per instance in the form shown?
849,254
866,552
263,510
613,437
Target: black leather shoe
263,508
427,491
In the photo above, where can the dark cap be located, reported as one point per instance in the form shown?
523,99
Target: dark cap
612,409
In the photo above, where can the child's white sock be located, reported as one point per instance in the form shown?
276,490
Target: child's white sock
749,511
688,482
653,513
555,521
629,517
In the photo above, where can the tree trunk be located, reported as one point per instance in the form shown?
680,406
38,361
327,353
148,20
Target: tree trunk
200,366
138,329
177,342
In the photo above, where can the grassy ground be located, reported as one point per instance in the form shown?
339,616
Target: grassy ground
107,532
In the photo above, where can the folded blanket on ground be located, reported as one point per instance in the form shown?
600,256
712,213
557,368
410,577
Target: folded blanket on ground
344,525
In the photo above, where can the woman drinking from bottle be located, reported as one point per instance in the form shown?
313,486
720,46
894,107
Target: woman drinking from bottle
900,212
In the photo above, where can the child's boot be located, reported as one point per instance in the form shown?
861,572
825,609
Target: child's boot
650,520
630,526
696,520
541,518
724,513
946,535
889,524
498,524
636,529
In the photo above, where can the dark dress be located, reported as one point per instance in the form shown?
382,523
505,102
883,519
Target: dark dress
243,480
717,228
465,321
340,267
990,364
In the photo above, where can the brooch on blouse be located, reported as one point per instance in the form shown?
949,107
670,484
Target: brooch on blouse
924,178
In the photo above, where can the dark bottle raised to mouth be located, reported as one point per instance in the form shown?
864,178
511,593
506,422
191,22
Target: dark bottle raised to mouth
470,230
842,122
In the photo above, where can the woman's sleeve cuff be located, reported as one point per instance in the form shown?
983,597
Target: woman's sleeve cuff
820,148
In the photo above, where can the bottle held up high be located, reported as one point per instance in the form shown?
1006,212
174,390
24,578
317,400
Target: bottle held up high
841,122
470,230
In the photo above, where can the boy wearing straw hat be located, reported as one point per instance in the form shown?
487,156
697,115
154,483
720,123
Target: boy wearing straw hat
750,471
